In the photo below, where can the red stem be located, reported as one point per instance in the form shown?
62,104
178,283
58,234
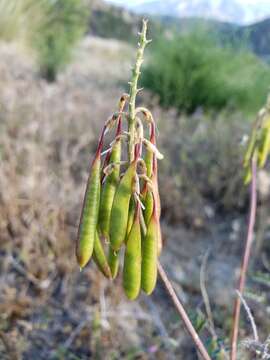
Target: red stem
152,133
108,155
245,259
137,151
100,143
119,126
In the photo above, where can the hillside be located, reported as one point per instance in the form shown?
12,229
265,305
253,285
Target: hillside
233,11
258,37
113,22
110,21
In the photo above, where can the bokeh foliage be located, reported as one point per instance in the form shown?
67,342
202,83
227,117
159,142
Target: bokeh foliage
64,23
49,27
193,70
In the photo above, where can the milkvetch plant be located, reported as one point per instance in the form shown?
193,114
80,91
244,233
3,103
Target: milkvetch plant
121,207
258,147
256,155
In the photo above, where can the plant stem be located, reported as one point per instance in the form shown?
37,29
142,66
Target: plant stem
245,259
181,311
134,88
131,127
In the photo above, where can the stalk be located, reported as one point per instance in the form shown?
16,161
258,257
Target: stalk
136,71
131,126
182,313
246,257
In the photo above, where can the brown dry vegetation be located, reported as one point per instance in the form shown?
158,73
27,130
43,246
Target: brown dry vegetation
48,310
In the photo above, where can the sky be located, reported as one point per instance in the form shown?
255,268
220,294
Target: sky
134,2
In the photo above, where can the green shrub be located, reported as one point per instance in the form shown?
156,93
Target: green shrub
50,27
64,23
192,70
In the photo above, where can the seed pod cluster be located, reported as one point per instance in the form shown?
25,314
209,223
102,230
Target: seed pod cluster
121,208
258,147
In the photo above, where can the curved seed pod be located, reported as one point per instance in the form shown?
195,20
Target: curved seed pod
122,102
149,255
109,188
132,260
155,187
149,200
144,191
100,257
156,198
105,164
247,175
113,260
148,205
149,161
148,117
153,148
149,153
89,214
159,240
154,177
120,207
158,207
250,147
131,213
263,149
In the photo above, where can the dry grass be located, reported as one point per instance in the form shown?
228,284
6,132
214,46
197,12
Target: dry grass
47,135
48,310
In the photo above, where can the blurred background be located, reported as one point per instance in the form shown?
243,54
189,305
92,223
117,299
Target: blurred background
63,66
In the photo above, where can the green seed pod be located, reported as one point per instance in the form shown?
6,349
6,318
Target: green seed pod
154,197
148,159
157,204
89,214
149,255
250,148
113,260
132,260
131,213
155,188
109,188
247,175
154,176
149,205
100,257
120,207
159,239
263,149
105,164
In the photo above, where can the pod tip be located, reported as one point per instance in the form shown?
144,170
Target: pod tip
82,260
131,295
